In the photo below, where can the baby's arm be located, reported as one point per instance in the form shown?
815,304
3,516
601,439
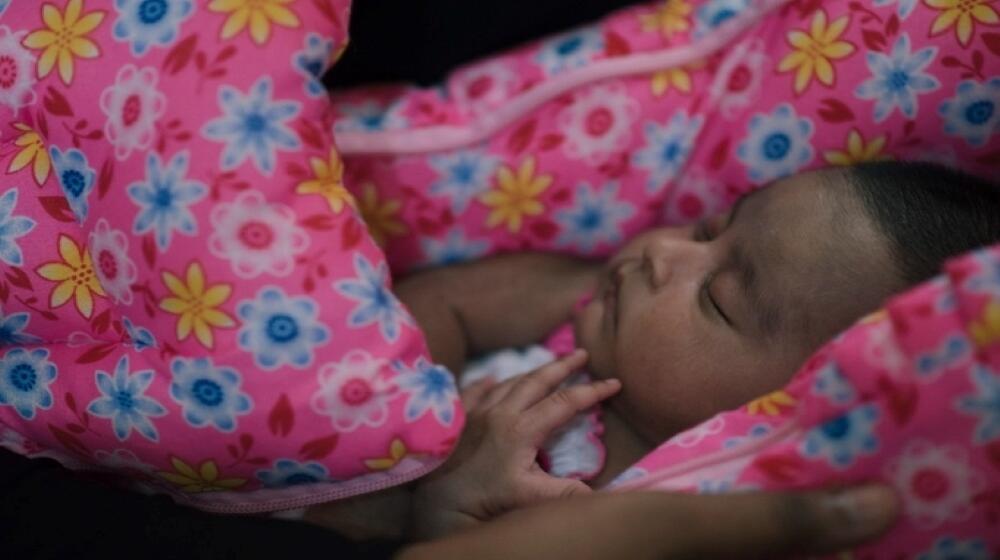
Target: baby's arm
501,302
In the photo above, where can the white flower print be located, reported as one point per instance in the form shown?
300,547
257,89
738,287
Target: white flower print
354,392
133,105
115,271
598,123
255,236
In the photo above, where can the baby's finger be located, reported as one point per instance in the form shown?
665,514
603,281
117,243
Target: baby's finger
560,407
473,395
498,392
534,386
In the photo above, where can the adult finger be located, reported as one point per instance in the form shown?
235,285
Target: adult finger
764,525
534,386
641,525
560,407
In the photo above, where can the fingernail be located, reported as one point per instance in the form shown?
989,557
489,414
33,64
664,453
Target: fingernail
613,382
867,510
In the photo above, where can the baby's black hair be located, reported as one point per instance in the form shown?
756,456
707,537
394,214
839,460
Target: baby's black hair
928,212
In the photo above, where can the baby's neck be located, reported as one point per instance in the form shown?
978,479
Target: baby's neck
624,447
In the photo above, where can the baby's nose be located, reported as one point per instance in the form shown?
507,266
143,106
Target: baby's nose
671,259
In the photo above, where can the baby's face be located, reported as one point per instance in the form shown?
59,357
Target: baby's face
700,319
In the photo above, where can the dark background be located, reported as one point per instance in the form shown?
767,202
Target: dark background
421,40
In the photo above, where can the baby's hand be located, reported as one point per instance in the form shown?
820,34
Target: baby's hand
494,467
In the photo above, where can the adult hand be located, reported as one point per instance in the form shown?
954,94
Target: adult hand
651,525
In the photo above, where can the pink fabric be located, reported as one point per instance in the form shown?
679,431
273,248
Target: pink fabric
607,148
188,293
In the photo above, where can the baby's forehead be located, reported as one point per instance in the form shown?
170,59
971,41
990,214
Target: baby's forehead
812,246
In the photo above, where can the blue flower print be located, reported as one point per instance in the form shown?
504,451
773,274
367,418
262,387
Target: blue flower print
12,329
431,387
571,50
985,404
988,280
312,61
898,79
126,403
841,440
950,548
252,126
595,218
12,227
25,377
287,472
76,179
951,352
3,6
711,486
462,177
453,249
973,113
777,144
150,22
164,198
667,149
630,474
369,117
376,303
832,384
711,15
905,6
280,330
756,432
208,394
140,336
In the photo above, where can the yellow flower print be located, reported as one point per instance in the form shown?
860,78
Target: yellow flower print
397,452
875,317
32,152
670,18
329,182
75,275
65,38
196,305
677,78
205,479
771,403
516,195
813,51
857,150
380,216
963,14
986,331
259,14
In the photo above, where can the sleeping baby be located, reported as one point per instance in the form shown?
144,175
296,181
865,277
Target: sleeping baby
681,324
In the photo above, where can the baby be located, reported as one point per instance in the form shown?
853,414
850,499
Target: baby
684,322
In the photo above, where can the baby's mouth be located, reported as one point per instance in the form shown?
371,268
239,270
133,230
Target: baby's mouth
612,293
